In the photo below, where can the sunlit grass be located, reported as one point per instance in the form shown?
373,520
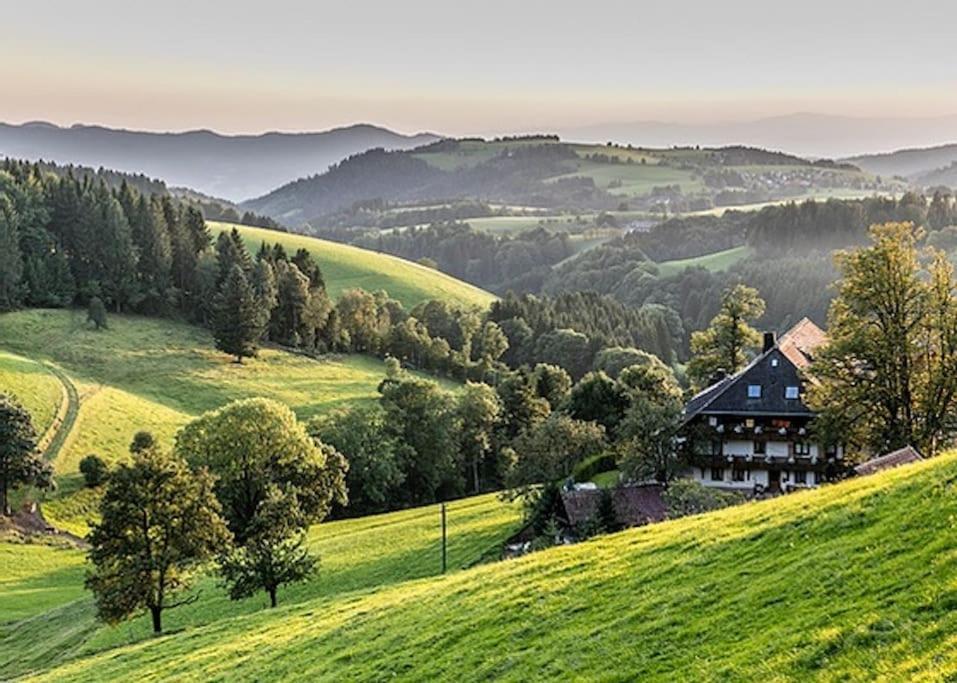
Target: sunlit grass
156,375
33,385
346,267
853,581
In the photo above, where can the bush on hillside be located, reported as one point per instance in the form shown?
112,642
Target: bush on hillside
687,497
596,464
94,470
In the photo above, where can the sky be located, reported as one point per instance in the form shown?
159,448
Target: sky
465,67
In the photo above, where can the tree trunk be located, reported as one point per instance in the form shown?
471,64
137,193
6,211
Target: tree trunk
156,613
272,597
4,503
475,473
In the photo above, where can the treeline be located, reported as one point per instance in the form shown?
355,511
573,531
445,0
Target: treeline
572,329
836,223
420,443
495,262
68,239
380,214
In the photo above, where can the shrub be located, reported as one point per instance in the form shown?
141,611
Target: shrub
686,497
596,464
142,441
94,470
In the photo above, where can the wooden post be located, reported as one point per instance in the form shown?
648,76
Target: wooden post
443,538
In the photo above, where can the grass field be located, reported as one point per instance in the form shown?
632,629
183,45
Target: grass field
854,581
345,267
34,386
718,261
361,556
145,373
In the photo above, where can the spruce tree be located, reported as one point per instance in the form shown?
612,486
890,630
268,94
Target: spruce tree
11,261
237,321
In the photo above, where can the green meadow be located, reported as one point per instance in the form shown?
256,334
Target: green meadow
346,267
715,262
854,581
157,375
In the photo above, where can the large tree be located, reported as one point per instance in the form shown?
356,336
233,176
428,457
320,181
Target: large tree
273,554
888,375
729,339
649,430
237,317
158,521
550,450
480,410
254,445
20,464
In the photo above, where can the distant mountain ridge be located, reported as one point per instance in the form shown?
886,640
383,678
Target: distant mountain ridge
235,167
927,166
804,134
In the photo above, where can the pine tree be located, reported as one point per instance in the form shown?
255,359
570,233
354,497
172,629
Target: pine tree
11,261
236,316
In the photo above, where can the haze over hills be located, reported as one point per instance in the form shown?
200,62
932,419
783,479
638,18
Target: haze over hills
233,167
804,134
924,165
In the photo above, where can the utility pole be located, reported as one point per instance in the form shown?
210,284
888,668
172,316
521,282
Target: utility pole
443,538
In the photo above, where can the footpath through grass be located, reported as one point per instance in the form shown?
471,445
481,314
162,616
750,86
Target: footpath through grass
43,606
346,267
855,581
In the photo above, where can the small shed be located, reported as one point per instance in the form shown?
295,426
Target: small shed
902,456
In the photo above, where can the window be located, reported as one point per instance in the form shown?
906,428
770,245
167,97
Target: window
716,447
760,447
790,392
713,421
717,474
802,448
754,391
739,474
800,477
774,362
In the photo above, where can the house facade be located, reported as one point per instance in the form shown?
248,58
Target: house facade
750,431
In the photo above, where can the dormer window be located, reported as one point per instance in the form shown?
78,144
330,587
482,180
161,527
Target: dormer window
791,392
754,391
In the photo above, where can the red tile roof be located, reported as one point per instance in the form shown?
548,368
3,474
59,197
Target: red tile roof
799,343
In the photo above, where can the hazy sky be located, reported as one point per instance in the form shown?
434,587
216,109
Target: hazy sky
461,67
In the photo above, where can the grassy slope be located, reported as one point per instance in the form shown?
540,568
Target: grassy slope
357,557
718,261
33,385
155,374
345,267
850,582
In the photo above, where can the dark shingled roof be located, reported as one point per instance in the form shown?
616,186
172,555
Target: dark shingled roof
902,456
730,395
635,504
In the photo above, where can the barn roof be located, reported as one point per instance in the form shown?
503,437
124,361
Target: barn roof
901,456
778,367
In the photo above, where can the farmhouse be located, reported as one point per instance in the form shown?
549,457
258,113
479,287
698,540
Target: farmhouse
749,431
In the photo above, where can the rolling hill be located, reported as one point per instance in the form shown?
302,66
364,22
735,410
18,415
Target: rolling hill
232,166
344,267
853,581
546,173
46,616
911,163
145,373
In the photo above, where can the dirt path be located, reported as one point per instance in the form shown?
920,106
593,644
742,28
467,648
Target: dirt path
65,420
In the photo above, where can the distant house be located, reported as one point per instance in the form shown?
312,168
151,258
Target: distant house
749,431
901,456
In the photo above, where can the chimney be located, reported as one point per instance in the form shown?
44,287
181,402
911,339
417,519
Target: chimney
769,342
